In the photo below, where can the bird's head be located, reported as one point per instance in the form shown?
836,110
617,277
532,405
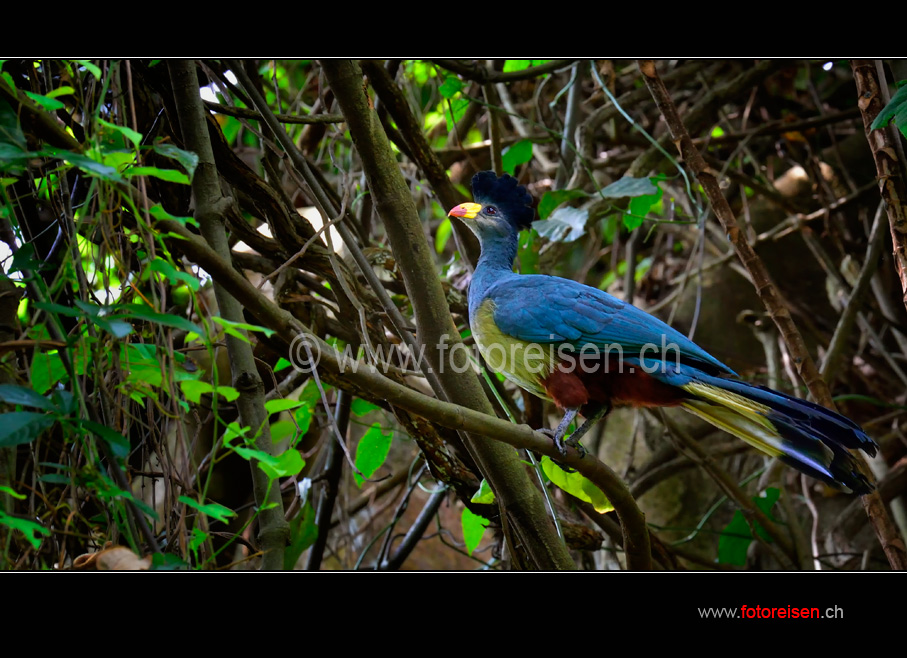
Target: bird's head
502,207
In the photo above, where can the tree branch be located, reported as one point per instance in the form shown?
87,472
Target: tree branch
435,329
364,380
424,156
211,208
888,166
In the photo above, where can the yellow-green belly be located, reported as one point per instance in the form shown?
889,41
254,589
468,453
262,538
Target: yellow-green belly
525,364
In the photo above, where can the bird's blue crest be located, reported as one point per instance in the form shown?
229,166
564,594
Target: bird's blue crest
507,195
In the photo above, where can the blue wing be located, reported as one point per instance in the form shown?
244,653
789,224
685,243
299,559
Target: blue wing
546,309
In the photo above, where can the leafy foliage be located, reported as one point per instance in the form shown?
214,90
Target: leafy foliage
121,407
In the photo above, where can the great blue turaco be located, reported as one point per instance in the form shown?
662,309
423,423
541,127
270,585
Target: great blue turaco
588,351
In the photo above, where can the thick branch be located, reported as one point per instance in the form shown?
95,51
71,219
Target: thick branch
891,181
211,208
435,328
364,380
424,156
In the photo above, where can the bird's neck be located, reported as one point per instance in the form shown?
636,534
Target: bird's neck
495,262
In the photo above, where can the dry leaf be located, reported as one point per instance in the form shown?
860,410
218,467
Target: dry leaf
121,558
112,558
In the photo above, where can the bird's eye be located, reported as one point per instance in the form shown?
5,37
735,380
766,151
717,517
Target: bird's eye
491,210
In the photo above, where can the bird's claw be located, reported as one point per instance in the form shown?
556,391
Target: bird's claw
576,445
562,444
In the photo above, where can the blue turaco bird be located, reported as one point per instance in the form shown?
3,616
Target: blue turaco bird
588,352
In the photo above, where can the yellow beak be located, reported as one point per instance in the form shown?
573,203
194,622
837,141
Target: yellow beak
466,211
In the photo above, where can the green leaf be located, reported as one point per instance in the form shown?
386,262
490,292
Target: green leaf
450,87
168,562
303,533
114,327
361,407
518,154
193,389
59,309
287,464
89,309
454,111
14,154
484,495
128,133
142,312
631,222
737,535
442,235
170,175
640,205
157,211
65,90
734,541
516,65
118,443
11,492
173,275
64,401
49,104
551,200
13,394
199,537
214,510
91,68
18,427
84,163
10,130
25,259
188,159
276,406
372,452
565,225
7,80
142,362
473,529
232,328
529,252
97,315
282,429
55,478
46,370
577,485
895,109
310,396
30,529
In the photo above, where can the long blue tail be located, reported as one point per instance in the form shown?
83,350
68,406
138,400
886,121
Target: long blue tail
803,435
